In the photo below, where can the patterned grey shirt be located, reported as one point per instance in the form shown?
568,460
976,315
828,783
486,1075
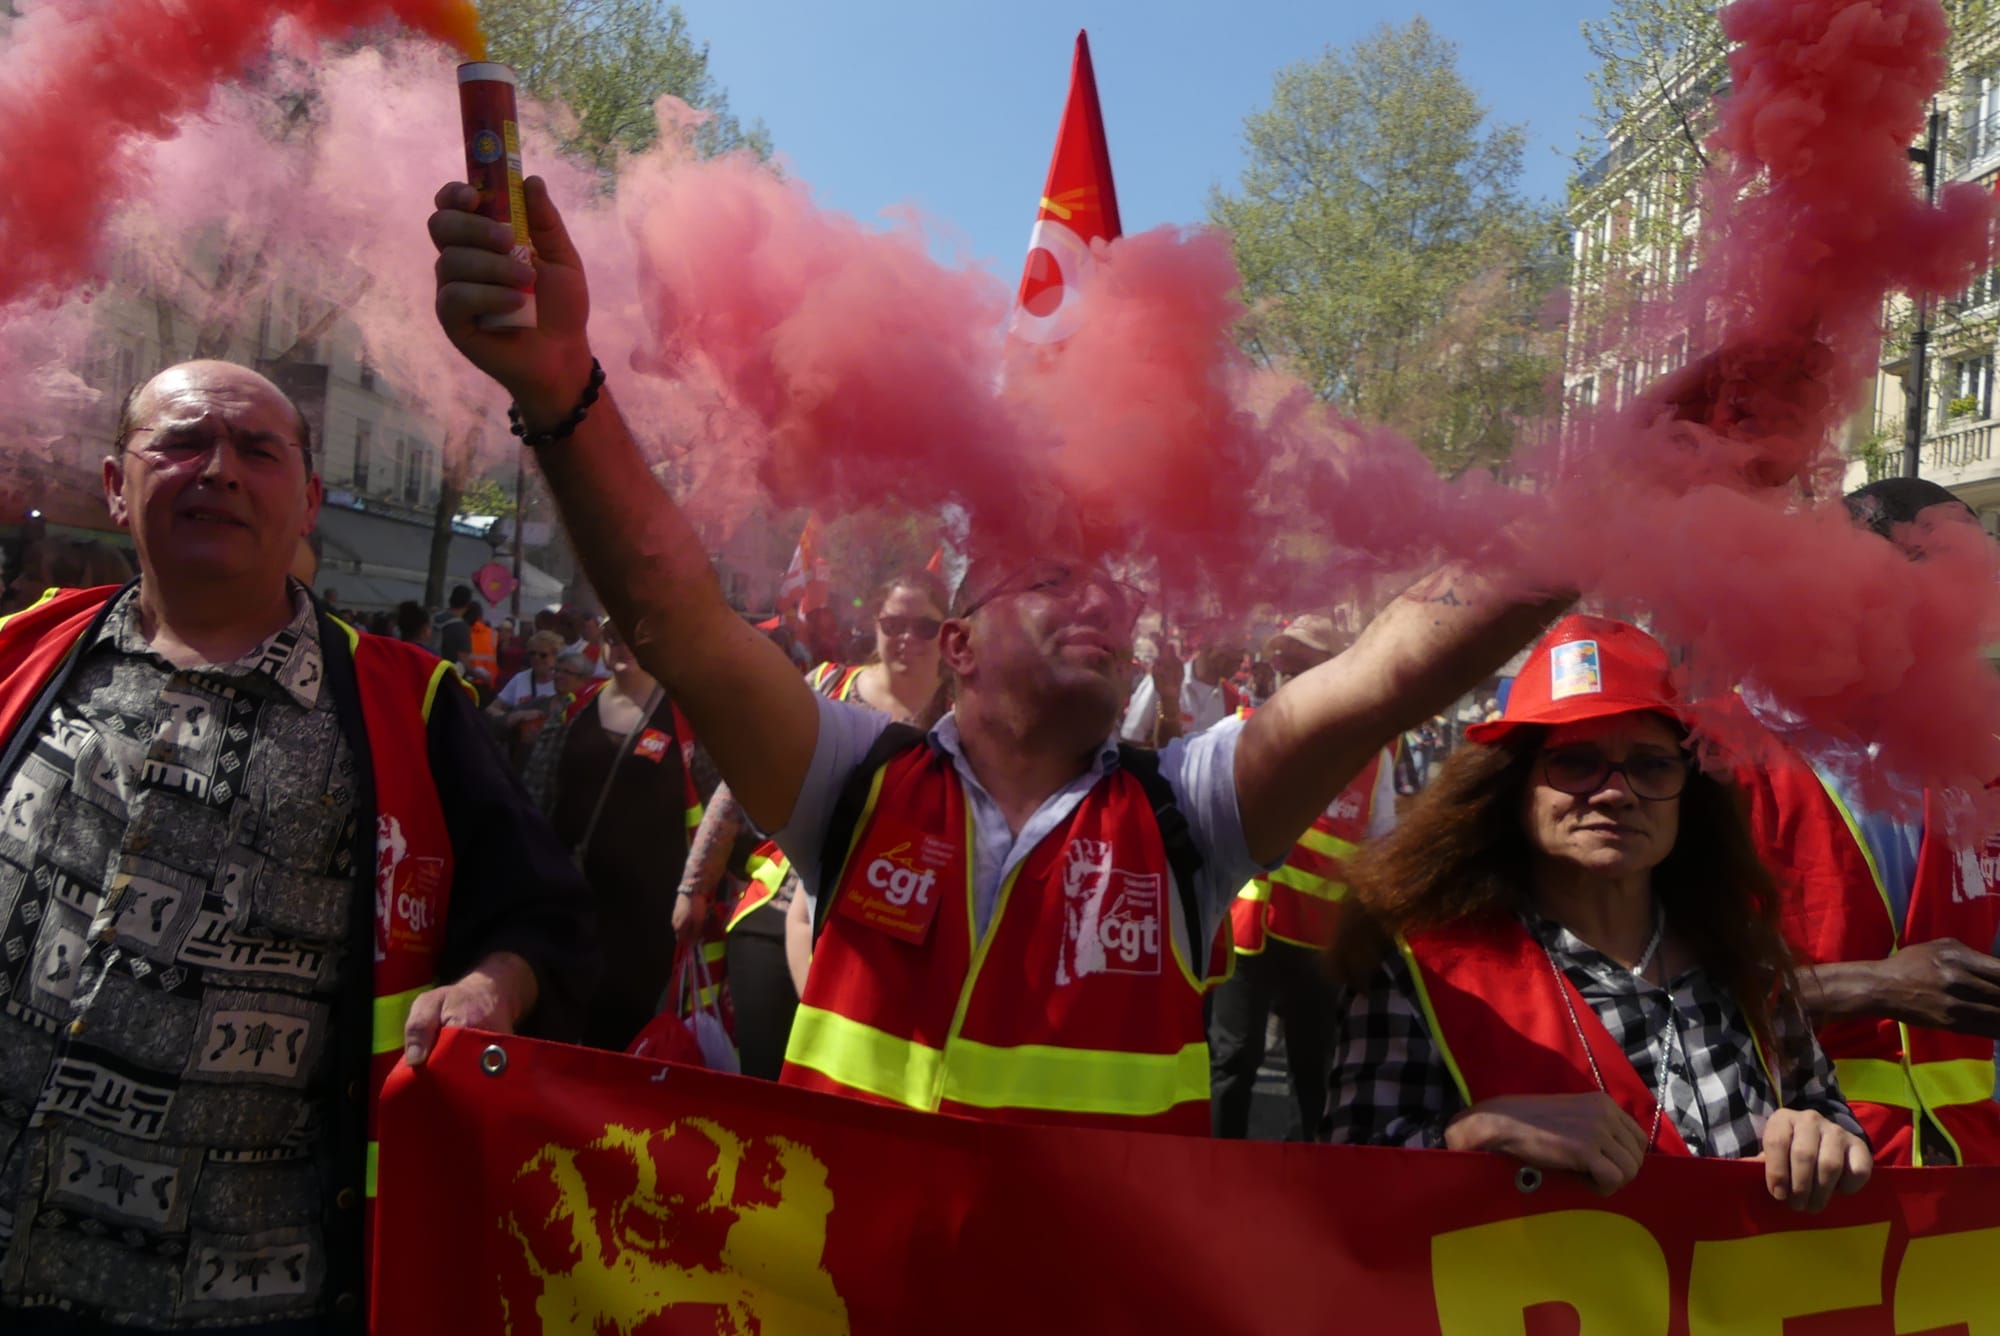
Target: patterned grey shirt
176,878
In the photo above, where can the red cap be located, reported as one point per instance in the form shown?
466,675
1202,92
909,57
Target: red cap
1586,668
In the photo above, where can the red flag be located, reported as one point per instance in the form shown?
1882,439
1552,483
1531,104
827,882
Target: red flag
806,581
1079,206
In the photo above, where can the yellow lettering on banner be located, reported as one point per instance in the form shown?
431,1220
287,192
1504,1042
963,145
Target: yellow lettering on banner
1606,1267
1748,1287
1949,1280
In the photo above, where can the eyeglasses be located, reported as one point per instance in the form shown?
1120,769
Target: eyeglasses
1067,583
1582,771
174,446
923,628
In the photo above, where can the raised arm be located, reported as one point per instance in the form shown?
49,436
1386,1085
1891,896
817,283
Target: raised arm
1441,638
751,709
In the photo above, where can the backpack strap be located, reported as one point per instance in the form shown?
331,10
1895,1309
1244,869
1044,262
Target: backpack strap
1183,859
847,808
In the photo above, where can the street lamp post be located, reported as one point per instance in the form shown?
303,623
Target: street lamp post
1917,394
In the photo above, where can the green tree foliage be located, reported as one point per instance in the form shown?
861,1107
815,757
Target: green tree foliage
610,61
1660,64
484,496
1386,252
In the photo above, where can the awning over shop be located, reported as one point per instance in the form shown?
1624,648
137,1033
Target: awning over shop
375,561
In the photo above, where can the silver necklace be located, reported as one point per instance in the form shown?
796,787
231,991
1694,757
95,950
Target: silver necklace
1669,1037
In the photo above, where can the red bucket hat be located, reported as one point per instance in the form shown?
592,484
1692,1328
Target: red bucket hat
1586,668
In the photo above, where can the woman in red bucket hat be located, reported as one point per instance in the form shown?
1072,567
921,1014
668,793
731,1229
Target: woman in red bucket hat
1568,951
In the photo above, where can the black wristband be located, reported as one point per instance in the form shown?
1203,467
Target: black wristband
561,431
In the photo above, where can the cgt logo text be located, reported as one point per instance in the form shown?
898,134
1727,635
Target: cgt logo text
1131,930
416,906
1614,1276
897,876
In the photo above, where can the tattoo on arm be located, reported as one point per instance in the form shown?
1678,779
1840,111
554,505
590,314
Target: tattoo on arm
1439,587
708,852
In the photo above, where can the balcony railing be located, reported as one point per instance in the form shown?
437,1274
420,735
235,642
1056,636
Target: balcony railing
1961,447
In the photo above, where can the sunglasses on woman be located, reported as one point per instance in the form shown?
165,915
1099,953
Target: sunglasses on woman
1582,771
923,628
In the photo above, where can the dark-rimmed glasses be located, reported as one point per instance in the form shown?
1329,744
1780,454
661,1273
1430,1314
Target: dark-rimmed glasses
923,628
1066,582
1582,771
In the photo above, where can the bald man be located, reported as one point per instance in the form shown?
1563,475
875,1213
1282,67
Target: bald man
240,847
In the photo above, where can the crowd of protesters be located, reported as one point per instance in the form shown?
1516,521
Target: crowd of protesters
1011,847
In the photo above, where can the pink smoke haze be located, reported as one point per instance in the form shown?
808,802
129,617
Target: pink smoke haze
780,354
80,79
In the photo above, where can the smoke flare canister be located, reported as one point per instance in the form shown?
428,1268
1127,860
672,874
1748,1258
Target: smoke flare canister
493,165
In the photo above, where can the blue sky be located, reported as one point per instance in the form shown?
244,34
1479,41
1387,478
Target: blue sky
952,106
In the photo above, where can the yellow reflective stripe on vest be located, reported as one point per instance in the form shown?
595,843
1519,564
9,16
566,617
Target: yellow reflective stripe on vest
864,1058
1257,891
770,872
1305,883
1922,1085
374,1155
392,1015
694,816
986,1076
1431,1020
1867,856
47,594
1079,1080
1331,845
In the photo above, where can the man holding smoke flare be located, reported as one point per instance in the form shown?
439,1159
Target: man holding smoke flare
1099,881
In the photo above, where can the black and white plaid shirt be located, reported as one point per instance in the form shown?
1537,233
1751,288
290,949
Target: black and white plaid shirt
1391,1088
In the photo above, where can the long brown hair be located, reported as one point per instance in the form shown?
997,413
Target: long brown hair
1462,850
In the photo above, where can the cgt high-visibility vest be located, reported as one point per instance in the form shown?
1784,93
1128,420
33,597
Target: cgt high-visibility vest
1491,1003
1837,908
398,683
1078,1007
1298,902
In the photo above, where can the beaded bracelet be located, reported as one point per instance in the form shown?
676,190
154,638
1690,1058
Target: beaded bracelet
535,440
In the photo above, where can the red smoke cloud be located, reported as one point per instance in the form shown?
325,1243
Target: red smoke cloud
780,352
79,80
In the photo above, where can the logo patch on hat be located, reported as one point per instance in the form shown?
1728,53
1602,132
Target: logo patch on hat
1573,670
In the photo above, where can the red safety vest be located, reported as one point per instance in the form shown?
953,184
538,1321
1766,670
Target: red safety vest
1497,1017
413,858
1077,1008
1836,909
767,865
1300,900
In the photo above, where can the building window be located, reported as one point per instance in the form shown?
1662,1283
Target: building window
413,480
365,373
399,467
303,317
1969,389
364,437
1982,115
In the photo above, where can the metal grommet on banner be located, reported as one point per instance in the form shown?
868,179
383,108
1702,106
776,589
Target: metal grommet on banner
494,1060
1527,1178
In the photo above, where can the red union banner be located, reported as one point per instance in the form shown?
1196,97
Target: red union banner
530,1187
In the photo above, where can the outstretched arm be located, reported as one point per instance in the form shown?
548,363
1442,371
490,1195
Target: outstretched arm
751,709
1440,639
